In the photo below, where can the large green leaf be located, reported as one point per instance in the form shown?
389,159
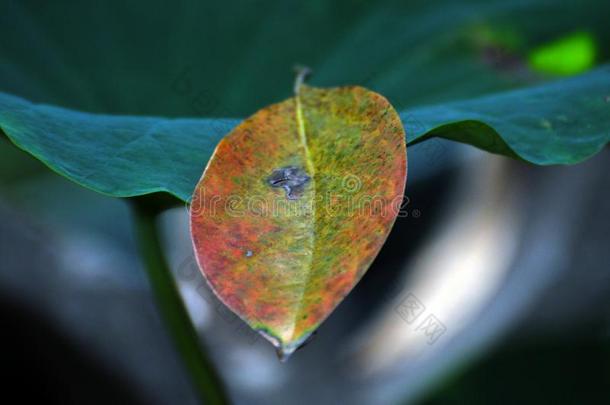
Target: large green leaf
557,123
120,156
219,59
230,58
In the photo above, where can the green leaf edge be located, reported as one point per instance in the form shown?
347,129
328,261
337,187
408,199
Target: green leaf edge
479,133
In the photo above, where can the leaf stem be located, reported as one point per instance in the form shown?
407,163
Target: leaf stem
301,74
203,375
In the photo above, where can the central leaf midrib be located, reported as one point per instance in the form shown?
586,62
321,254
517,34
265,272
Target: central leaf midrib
311,170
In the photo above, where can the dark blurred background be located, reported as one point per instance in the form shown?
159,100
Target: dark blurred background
509,262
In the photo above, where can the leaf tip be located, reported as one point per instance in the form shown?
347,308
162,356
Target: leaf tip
284,353
285,348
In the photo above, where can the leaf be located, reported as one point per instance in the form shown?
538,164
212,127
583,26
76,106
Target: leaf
167,59
228,59
294,206
563,122
120,156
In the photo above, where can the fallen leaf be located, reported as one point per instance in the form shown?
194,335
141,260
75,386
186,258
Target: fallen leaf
295,204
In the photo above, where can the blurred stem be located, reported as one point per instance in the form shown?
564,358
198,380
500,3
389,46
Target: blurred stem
301,74
203,375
